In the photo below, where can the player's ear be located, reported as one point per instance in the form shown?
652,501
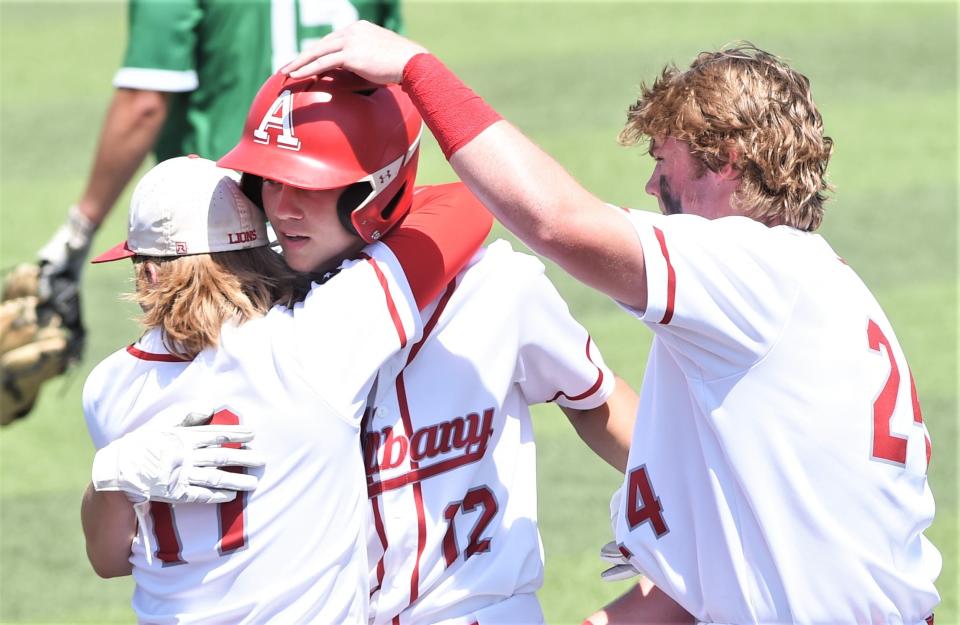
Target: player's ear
151,269
729,170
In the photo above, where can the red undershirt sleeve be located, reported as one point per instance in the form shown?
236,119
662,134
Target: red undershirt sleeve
443,230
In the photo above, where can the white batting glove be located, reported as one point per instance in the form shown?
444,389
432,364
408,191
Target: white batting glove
181,464
621,569
66,251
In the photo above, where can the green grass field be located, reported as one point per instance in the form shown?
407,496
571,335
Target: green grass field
884,76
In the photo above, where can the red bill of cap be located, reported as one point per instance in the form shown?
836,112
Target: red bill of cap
117,252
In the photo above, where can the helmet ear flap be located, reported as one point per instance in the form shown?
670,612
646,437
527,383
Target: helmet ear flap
349,200
387,211
375,218
252,187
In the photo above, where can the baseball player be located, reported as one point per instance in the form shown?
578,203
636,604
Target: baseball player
777,472
449,453
180,92
297,375
449,450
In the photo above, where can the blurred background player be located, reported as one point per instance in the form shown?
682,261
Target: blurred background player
449,449
181,91
778,469
224,337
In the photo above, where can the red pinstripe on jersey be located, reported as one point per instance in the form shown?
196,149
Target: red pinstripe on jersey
391,305
142,355
417,493
414,465
671,277
434,319
590,391
168,542
232,525
382,535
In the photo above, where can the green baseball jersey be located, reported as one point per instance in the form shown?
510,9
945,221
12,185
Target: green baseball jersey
213,55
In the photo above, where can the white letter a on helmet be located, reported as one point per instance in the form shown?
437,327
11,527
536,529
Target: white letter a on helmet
279,116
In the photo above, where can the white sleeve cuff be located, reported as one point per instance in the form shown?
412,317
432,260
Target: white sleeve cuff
655,260
155,79
104,473
599,393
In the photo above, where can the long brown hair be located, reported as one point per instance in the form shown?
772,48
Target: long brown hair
190,297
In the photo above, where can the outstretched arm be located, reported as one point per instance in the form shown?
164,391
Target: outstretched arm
523,186
536,199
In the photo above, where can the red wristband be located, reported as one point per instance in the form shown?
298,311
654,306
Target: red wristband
452,111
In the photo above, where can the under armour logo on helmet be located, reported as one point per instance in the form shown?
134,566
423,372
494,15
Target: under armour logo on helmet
280,117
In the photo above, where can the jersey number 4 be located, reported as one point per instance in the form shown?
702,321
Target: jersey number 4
230,514
887,446
643,505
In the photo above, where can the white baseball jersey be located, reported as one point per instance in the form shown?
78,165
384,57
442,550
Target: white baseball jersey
778,467
449,450
294,549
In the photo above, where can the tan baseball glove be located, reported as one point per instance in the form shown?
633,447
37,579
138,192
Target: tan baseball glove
35,345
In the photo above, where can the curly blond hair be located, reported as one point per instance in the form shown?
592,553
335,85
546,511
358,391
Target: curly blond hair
191,297
748,103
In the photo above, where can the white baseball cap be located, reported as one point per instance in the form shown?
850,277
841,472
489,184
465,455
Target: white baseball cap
188,205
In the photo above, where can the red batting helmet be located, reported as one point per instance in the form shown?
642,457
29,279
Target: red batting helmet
335,130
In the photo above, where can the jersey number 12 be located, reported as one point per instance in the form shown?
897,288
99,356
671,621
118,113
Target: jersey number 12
480,497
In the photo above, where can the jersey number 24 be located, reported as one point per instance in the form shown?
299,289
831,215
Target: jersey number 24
644,506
